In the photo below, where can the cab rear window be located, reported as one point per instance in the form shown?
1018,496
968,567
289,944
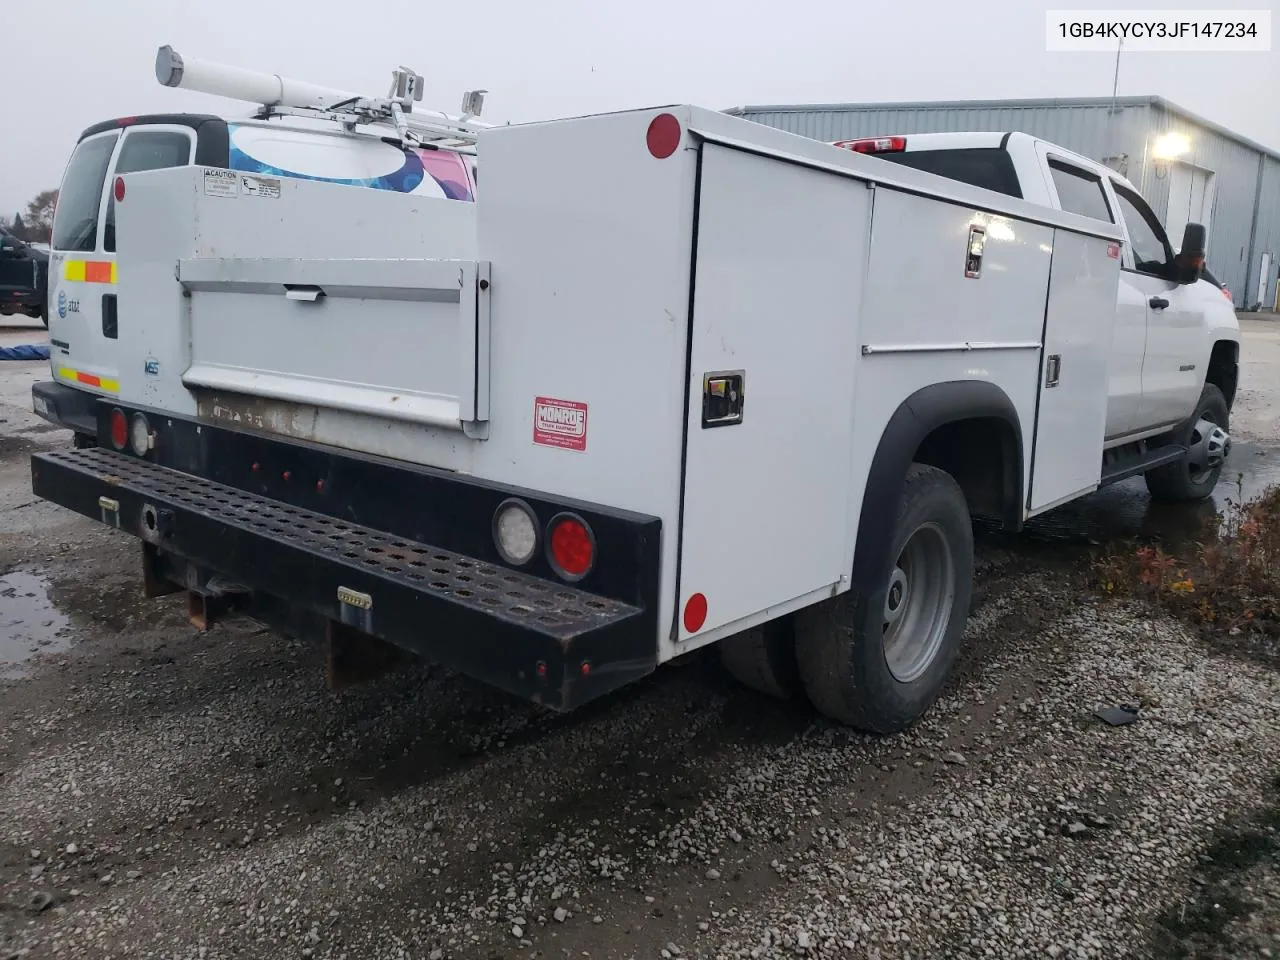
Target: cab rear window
990,168
75,224
146,150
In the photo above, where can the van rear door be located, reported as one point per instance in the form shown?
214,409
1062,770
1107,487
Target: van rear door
83,322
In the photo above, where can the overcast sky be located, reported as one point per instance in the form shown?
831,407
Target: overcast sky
71,63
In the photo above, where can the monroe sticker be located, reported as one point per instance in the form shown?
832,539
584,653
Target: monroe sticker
560,423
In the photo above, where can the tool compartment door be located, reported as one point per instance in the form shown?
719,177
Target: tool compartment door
780,258
398,339
1071,410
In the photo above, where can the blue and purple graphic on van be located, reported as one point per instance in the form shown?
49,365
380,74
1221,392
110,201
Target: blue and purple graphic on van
356,161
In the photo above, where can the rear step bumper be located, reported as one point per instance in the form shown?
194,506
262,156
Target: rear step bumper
547,641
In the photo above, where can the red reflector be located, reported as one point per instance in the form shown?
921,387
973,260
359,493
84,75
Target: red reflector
119,429
663,136
572,547
695,613
874,145
119,189
585,669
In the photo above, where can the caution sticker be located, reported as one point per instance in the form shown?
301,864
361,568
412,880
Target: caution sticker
221,183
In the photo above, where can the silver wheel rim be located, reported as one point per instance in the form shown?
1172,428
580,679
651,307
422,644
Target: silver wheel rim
918,602
1210,445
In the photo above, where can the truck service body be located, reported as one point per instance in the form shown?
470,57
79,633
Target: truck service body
1166,332
752,398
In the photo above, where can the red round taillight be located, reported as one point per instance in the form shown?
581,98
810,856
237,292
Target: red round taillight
571,546
119,188
119,429
663,136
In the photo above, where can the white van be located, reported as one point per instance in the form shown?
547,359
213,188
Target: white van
84,323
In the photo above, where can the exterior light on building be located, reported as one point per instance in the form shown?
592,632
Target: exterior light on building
1170,146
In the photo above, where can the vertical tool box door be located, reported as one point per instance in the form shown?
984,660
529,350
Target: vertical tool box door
779,264
1071,409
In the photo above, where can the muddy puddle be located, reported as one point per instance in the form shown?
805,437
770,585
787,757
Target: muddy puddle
1125,511
30,624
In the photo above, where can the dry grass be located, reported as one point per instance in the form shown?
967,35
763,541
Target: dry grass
1227,580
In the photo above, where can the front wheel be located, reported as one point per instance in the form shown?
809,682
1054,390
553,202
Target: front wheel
878,660
1208,444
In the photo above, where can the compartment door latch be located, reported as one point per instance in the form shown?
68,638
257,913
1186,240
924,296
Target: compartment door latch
722,398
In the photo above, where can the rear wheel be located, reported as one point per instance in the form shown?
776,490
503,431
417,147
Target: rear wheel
1208,444
764,659
878,661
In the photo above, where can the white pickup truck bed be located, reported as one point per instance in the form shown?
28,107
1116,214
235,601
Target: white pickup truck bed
391,364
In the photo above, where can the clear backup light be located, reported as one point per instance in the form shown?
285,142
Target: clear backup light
515,532
140,435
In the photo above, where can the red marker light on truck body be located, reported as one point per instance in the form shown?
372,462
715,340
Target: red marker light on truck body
695,612
663,136
119,189
874,145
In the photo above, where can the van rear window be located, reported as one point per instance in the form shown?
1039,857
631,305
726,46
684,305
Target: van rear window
75,224
146,150
987,167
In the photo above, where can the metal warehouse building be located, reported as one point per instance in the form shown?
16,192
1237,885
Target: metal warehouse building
1187,168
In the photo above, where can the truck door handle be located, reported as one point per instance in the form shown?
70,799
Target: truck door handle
1158,303
722,398
303,292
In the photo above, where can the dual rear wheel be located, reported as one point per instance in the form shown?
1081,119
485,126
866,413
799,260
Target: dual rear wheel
877,659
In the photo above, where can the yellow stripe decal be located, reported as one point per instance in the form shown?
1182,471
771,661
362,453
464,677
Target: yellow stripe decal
89,271
90,380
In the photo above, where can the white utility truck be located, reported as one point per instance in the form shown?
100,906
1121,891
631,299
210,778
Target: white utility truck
1163,328
721,384
298,130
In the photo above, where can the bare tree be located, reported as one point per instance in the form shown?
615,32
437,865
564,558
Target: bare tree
39,217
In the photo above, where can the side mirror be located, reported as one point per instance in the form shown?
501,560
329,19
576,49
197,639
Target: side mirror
1190,259
11,247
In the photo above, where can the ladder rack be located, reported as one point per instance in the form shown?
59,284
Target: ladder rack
275,95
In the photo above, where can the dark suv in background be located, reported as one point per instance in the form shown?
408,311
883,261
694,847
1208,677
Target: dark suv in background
24,278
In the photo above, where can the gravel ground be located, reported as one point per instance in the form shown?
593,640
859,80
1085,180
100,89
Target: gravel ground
169,794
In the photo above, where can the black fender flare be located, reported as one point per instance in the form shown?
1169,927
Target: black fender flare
916,417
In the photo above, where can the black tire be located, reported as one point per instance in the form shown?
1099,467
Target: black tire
840,643
764,659
1186,481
